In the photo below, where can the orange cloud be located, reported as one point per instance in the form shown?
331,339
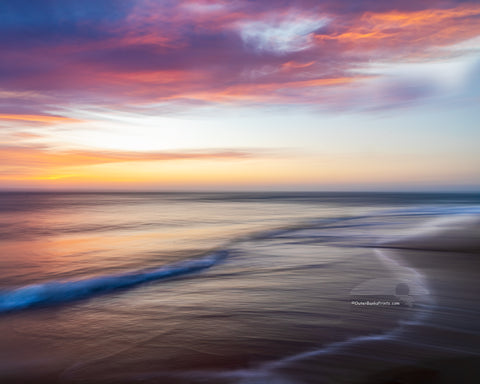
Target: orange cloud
36,164
38,157
396,19
269,92
289,65
399,30
47,119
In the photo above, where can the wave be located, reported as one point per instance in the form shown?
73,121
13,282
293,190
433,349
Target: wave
54,292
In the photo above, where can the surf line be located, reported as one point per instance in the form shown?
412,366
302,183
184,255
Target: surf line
266,372
56,292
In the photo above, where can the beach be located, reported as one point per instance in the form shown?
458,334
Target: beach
453,323
240,288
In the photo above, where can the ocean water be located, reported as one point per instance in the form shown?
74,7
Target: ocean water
233,287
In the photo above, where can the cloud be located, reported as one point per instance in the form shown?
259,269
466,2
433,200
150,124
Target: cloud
291,34
30,159
41,119
122,53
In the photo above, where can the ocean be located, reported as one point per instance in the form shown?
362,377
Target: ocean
261,287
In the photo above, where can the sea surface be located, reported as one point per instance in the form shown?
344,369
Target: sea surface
234,287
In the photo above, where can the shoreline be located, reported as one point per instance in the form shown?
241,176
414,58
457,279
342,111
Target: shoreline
449,257
444,345
451,328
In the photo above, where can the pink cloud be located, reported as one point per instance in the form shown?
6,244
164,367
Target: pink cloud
231,52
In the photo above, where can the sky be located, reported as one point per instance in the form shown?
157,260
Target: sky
240,95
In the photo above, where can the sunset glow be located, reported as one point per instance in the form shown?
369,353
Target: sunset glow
239,95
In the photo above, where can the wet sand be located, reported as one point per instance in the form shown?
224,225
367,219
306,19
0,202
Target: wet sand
453,326
443,344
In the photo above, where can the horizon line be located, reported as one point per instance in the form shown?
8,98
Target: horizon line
243,191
